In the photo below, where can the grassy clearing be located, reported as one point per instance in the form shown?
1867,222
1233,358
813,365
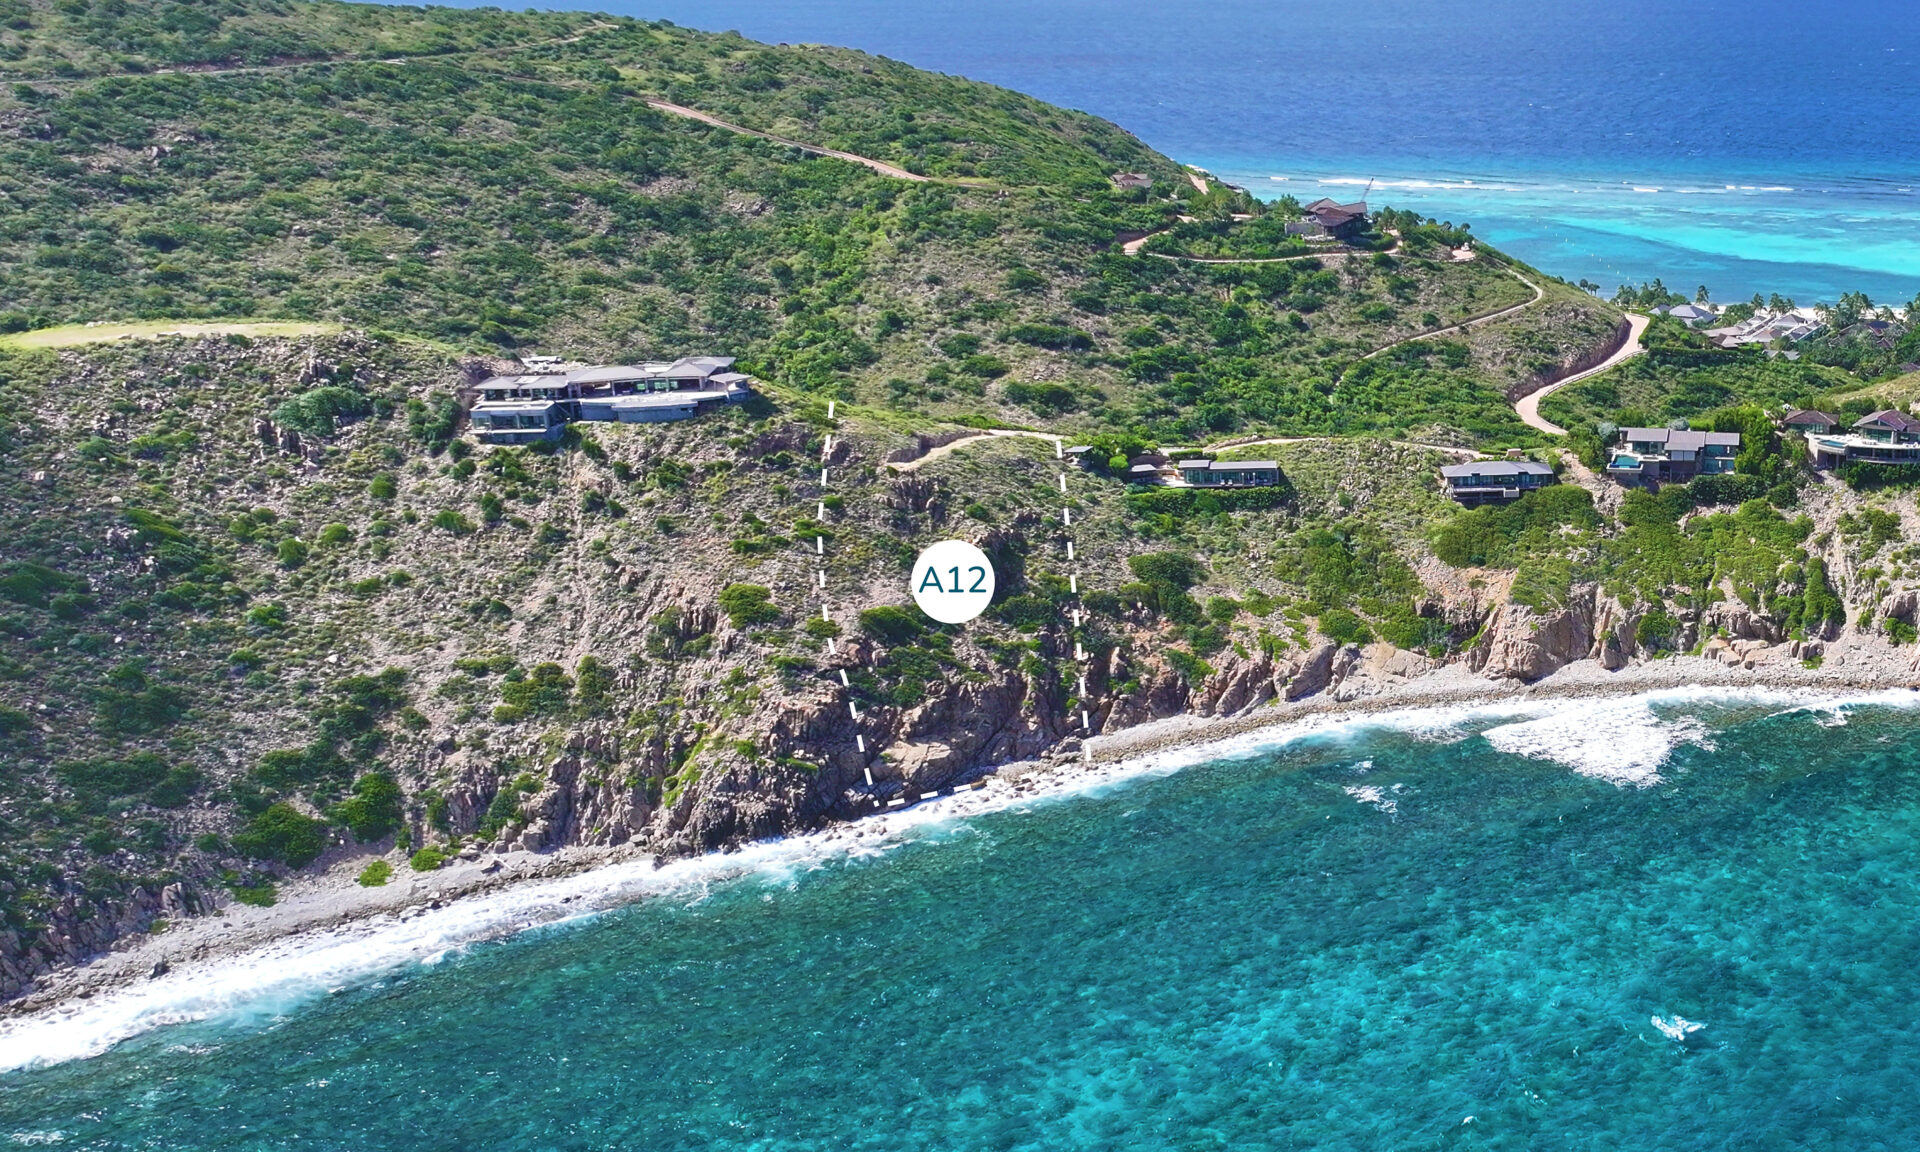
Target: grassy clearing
70,335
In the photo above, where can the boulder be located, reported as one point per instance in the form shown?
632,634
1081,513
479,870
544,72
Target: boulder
1314,673
1523,644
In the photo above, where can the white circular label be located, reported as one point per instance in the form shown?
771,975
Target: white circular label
952,581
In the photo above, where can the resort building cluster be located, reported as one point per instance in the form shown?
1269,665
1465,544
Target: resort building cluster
539,403
1765,326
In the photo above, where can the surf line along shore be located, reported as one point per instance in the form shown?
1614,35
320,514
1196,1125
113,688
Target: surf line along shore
187,971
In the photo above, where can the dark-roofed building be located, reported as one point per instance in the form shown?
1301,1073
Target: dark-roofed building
1811,420
1494,481
1330,218
1131,180
1671,455
1889,425
1889,436
1230,473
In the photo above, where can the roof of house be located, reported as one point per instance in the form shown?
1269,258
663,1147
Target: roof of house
1231,465
1496,468
1132,179
510,383
1689,312
1812,416
1891,418
1681,439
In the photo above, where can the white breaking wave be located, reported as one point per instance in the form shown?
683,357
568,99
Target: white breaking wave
1676,1027
1619,739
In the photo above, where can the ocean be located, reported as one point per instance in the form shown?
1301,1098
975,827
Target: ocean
1752,146
1676,921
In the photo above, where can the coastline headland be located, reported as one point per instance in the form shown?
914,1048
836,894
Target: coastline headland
328,932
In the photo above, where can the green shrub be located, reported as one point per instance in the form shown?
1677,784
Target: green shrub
448,520
542,692
334,535
1047,398
318,411
130,704
282,833
891,625
291,553
593,683
427,859
1189,667
25,582
376,874
261,895
1342,626
504,809
748,604
1656,629
1026,612
373,810
383,486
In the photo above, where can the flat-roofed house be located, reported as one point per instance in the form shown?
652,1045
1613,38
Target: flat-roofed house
1494,481
520,421
1230,473
1671,455
648,393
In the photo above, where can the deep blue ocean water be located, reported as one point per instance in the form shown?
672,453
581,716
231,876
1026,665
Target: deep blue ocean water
1447,931
1748,145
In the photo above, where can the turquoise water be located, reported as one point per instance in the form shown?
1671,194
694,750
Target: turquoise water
1557,113
1449,933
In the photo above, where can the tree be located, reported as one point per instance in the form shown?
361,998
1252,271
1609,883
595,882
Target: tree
1701,295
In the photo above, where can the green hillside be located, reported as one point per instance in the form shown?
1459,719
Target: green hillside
494,181
283,610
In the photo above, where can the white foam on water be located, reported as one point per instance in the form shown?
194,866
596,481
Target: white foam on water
1624,741
1676,1027
1385,799
1616,738
1620,741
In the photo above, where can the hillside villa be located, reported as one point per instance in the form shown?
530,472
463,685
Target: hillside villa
1229,473
538,405
1494,481
1888,436
1158,468
1671,455
1328,219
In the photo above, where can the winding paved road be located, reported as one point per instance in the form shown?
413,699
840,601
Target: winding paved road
1528,406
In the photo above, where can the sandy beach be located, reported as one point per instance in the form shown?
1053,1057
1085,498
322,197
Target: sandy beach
331,915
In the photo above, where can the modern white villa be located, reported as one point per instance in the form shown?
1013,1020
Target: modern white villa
540,403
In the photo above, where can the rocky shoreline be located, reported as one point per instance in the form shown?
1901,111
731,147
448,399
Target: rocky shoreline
333,904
